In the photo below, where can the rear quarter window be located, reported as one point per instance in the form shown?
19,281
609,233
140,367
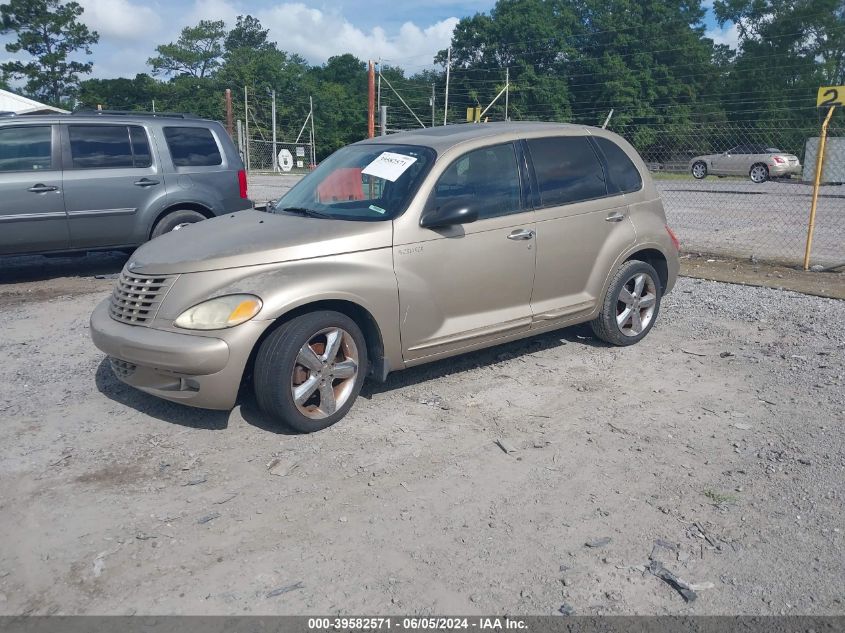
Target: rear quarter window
622,174
567,170
192,147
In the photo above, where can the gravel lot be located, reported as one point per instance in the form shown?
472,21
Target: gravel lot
720,435
730,217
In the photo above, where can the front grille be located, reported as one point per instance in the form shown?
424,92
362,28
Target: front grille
122,368
136,298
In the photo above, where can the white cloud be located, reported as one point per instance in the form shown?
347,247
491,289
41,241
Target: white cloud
214,10
120,19
728,34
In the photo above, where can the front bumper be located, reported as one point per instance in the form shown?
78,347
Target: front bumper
200,370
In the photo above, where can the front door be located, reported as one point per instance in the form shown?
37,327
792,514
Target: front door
469,284
110,176
32,211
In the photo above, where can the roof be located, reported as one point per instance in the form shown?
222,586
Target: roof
11,102
444,137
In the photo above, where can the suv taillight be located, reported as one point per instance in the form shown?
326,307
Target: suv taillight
242,183
675,241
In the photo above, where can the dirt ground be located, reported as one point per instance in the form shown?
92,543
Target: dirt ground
719,437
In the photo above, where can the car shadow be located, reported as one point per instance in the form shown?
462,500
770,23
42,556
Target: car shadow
190,417
22,268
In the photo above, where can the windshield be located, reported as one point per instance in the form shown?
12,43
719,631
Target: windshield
360,182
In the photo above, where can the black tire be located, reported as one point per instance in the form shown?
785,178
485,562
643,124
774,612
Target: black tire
175,219
703,173
277,360
765,171
605,325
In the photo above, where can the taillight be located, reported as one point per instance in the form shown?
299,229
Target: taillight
779,160
675,241
242,183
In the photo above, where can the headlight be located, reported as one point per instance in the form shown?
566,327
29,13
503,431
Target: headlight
219,313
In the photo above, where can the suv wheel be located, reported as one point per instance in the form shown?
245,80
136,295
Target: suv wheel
699,170
630,306
759,173
175,220
309,372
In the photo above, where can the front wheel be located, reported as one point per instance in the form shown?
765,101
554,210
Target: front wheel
759,173
309,372
699,170
630,306
176,220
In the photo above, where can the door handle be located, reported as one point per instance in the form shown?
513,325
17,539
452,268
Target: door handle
39,188
521,234
145,182
616,216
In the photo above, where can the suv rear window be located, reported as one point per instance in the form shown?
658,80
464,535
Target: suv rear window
622,175
192,147
567,170
108,146
25,148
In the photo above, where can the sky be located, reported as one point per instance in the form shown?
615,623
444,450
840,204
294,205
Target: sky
403,33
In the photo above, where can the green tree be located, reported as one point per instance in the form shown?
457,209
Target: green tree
197,52
247,33
121,93
49,31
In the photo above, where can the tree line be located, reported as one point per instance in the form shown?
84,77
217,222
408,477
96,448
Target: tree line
565,60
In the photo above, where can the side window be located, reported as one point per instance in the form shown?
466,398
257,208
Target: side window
567,170
192,147
622,175
99,146
141,156
487,177
25,148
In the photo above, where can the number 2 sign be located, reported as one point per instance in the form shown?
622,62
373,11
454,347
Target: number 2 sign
831,96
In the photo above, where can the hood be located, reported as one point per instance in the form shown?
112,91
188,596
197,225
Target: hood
250,238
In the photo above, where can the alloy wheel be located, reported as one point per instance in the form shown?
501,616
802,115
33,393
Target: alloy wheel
324,373
759,174
635,304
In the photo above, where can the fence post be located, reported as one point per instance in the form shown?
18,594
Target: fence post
811,227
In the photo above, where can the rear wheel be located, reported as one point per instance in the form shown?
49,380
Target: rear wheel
630,306
759,173
176,220
309,372
699,170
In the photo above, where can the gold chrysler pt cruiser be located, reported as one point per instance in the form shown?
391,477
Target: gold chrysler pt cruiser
394,252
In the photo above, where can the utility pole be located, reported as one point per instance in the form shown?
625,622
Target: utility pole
448,67
507,90
313,137
432,105
273,115
371,101
228,113
246,128
382,120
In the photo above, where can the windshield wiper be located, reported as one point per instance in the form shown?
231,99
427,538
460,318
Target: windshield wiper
307,212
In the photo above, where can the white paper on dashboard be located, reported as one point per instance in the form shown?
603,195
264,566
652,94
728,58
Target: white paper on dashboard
389,166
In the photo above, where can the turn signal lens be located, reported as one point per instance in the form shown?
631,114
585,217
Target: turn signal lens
220,313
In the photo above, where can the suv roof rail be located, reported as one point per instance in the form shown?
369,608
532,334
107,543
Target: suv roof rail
137,113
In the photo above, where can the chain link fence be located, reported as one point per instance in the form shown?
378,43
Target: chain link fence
279,157
745,189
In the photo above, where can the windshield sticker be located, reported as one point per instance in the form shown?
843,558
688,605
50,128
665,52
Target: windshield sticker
377,209
389,166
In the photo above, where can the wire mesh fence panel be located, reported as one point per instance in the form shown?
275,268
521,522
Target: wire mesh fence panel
279,157
743,190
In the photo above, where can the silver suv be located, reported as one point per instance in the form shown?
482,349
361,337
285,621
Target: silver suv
394,252
111,181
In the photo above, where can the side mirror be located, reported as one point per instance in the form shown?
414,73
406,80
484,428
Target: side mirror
449,214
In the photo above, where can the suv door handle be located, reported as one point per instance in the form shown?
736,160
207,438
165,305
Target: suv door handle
616,216
39,188
145,182
521,234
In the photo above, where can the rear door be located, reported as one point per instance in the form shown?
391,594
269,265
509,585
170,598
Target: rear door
110,179
582,226
32,211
